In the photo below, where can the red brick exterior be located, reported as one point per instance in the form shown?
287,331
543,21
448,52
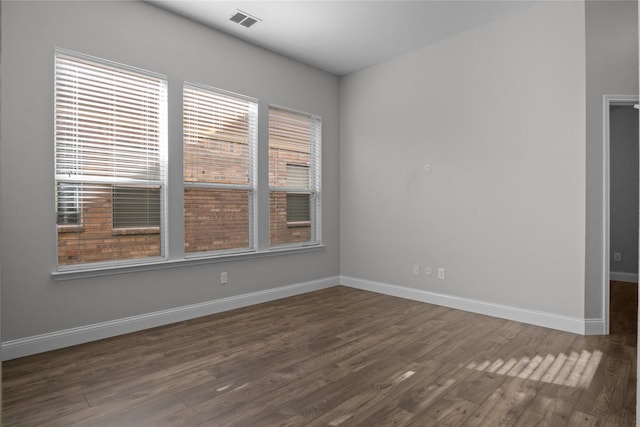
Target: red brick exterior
215,219
279,232
95,240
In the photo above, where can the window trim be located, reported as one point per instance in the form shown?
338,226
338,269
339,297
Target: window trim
173,178
162,184
315,181
100,269
251,187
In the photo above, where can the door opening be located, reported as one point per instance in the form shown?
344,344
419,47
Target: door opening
620,216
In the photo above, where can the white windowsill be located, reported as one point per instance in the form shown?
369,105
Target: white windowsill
175,263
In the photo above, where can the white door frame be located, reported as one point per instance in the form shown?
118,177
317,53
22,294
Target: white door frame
607,102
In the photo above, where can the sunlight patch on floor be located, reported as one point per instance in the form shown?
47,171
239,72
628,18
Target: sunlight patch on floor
573,370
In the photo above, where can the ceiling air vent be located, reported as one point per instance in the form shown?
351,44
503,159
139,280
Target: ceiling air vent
244,19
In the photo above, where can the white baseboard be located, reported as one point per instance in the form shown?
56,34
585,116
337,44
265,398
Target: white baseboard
533,317
621,276
74,336
68,337
594,327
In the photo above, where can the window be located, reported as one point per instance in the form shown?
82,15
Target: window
297,175
110,145
67,204
298,209
294,177
220,136
111,169
135,207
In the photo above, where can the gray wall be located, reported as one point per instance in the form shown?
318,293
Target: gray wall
144,36
499,113
612,69
623,124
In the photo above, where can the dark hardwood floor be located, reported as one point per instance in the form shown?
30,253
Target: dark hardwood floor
336,357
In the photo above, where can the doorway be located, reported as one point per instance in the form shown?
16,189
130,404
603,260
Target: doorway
620,190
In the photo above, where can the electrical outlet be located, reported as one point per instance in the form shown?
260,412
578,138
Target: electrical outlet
223,278
617,256
441,273
416,270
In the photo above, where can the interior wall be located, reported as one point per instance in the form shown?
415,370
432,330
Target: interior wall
623,142
612,69
139,35
498,112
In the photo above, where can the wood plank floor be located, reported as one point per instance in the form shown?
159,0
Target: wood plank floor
336,357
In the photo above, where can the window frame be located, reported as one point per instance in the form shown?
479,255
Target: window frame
172,186
82,180
315,180
252,170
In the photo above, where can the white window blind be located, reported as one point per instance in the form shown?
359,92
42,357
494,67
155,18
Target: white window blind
294,177
110,146
220,136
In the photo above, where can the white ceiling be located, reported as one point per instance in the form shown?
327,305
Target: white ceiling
344,36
